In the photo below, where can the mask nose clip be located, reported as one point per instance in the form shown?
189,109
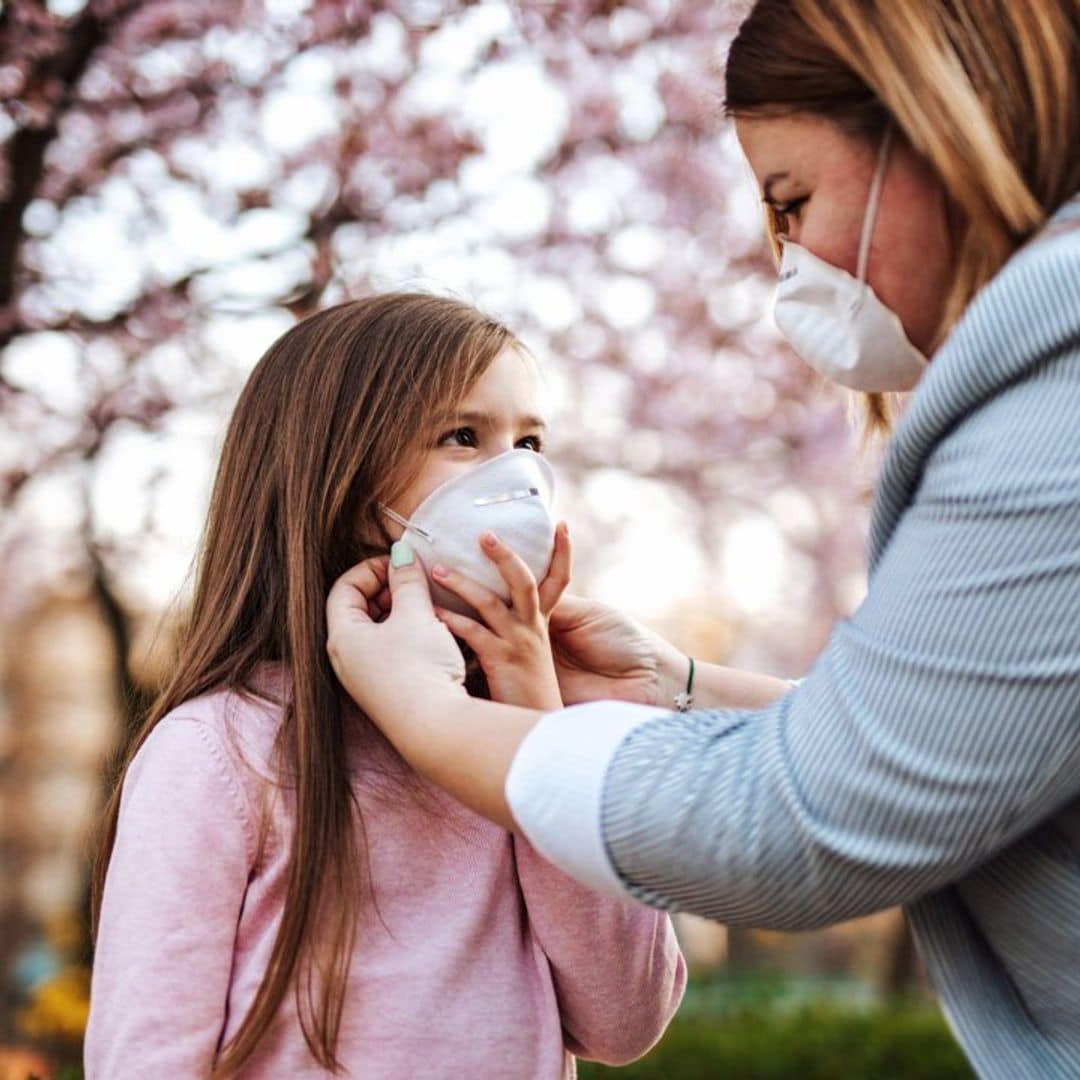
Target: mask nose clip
506,496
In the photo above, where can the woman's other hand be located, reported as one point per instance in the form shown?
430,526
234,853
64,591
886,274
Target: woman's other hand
384,640
600,653
511,642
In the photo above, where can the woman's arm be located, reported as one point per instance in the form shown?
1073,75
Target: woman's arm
172,899
619,975
406,668
938,726
717,687
603,654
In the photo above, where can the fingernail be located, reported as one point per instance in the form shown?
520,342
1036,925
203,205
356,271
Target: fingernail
438,570
490,539
401,553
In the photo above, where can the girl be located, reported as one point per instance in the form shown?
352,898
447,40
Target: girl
276,893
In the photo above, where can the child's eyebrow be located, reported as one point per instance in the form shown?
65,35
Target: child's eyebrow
483,419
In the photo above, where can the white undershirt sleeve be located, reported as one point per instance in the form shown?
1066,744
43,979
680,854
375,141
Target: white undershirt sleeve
555,786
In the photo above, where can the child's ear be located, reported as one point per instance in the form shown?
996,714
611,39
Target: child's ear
372,536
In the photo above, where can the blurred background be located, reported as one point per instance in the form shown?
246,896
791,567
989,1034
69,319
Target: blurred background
182,180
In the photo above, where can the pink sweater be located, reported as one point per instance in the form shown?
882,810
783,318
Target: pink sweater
487,961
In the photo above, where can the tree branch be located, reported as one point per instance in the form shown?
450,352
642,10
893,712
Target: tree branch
29,144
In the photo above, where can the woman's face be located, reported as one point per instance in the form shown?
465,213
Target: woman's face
818,176
501,412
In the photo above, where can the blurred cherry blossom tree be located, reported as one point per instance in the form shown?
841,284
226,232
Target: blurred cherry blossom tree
180,180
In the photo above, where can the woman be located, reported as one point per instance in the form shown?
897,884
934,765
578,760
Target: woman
920,163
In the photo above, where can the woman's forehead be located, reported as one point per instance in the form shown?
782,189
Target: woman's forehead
796,145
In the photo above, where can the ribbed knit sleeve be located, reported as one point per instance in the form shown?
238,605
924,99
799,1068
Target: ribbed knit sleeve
173,895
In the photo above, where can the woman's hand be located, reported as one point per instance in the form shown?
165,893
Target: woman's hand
406,672
511,643
383,652
600,653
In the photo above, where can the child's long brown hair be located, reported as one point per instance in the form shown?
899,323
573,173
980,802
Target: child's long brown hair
333,420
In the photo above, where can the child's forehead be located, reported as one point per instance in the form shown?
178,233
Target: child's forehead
511,386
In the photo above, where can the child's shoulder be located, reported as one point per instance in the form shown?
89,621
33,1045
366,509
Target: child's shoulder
209,760
225,729
254,712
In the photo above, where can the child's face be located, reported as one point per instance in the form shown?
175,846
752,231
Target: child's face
501,412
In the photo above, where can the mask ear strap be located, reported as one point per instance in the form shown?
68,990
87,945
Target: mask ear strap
873,202
405,523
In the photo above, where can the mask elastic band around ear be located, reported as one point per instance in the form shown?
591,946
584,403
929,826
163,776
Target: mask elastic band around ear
405,523
873,201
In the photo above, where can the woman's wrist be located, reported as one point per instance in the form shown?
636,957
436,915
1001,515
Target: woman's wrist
717,687
693,684
672,677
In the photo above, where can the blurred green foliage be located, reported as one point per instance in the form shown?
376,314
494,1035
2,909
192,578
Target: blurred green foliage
815,1040
762,1028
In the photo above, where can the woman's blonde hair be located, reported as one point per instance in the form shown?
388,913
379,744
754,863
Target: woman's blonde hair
986,91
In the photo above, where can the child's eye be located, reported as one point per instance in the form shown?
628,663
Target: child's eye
462,436
531,442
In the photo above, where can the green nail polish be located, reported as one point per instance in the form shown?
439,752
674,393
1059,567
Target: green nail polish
401,553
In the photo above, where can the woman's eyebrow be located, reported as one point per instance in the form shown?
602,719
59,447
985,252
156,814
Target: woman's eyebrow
771,179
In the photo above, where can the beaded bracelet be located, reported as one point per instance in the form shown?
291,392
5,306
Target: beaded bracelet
685,700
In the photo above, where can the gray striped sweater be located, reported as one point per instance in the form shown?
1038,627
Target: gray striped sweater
932,756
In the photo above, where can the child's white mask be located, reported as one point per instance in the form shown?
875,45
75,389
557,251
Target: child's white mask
836,322
509,495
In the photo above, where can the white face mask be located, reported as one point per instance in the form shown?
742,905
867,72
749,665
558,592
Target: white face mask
836,322
509,495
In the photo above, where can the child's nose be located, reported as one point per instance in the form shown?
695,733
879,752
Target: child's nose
499,445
